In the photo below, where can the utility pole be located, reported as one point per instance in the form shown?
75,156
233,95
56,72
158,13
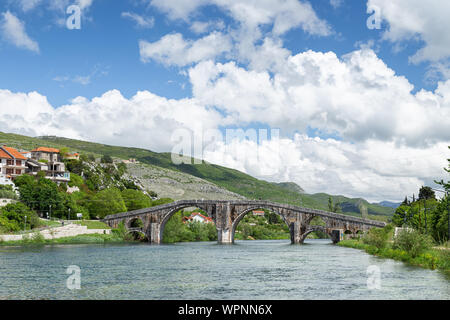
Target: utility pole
68,218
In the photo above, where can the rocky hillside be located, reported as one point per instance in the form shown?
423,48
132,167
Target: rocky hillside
176,185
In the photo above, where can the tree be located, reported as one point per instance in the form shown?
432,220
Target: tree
13,217
330,204
402,215
405,202
106,159
446,185
135,199
106,202
426,193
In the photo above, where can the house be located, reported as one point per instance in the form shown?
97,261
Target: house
258,213
49,161
129,161
12,162
198,217
26,154
70,156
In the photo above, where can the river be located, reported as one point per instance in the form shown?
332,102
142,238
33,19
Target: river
247,270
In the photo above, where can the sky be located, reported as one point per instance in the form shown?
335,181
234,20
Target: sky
355,95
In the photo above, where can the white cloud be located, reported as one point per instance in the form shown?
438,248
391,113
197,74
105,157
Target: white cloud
336,3
425,21
13,30
372,170
283,14
357,97
200,27
145,120
172,49
27,5
141,21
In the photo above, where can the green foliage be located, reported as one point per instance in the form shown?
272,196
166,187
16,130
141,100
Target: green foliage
439,220
161,201
413,242
378,237
135,199
12,217
107,159
107,202
75,180
426,193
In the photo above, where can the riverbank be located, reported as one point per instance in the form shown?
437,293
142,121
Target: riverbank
79,239
430,259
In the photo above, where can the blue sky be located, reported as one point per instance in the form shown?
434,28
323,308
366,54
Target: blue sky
362,112
106,49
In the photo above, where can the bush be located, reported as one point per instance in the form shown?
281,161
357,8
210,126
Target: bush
413,242
377,237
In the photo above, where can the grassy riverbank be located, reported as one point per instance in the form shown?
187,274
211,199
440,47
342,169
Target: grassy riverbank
34,239
430,258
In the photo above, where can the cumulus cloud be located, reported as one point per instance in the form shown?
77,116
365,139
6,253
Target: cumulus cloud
145,120
283,14
372,170
357,97
13,30
173,49
418,20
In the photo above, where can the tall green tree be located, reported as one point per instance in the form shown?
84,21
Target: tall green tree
135,199
426,193
106,202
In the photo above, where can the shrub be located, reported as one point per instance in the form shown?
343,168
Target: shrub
37,237
413,242
377,237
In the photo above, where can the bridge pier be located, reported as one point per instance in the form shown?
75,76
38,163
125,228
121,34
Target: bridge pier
298,232
224,236
154,233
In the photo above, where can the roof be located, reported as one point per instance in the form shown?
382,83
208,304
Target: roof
16,154
45,149
4,155
202,216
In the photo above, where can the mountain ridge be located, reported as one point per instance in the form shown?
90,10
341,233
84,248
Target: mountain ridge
229,179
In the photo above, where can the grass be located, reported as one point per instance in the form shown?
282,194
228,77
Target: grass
92,224
431,259
80,239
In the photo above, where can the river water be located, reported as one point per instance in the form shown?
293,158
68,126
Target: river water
247,270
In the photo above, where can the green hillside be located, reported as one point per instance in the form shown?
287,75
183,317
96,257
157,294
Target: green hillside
227,178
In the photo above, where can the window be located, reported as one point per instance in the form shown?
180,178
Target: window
9,171
18,171
18,162
9,162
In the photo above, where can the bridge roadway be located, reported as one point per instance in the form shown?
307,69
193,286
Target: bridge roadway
227,215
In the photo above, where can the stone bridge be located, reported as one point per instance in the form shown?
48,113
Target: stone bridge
227,215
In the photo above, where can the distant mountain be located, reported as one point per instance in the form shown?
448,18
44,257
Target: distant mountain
225,178
389,204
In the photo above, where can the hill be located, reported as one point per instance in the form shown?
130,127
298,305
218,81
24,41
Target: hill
226,178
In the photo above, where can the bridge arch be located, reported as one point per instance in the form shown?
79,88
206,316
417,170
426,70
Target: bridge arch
313,228
243,213
135,222
170,214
